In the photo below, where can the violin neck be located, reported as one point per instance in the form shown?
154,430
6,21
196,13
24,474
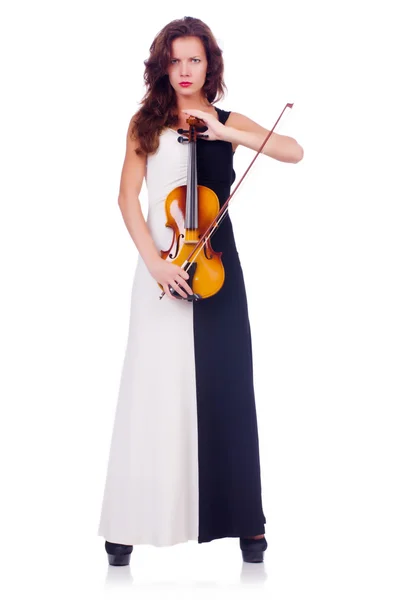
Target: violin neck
191,215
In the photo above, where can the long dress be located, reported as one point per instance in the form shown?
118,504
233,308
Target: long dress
184,456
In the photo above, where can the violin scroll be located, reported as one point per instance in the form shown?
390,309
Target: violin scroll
196,127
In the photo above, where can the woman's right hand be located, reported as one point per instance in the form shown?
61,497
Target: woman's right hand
170,274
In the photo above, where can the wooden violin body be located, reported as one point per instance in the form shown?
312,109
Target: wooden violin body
190,209
206,272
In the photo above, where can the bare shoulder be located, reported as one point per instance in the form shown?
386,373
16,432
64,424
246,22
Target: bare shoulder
131,140
134,166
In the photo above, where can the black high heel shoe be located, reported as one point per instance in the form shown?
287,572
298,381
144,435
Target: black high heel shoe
253,549
118,554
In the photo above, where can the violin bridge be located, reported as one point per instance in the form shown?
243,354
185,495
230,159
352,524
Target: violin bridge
191,236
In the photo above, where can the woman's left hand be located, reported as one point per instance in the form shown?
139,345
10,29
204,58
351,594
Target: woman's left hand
215,129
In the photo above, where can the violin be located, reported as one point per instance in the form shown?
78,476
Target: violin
199,207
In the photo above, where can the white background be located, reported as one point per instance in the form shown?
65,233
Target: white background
318,245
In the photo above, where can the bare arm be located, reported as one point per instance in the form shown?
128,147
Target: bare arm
240,130
132,176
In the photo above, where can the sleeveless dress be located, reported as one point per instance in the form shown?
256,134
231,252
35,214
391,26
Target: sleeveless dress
184,456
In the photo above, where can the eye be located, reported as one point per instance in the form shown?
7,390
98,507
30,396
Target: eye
175,59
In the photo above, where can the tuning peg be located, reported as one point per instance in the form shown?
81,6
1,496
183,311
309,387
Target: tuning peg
181,139
203,136
182,130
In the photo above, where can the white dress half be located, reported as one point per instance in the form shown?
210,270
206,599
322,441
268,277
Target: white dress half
151,490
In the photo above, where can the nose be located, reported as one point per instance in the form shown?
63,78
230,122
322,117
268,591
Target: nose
184,69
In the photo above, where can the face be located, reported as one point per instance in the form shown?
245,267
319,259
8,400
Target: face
188,62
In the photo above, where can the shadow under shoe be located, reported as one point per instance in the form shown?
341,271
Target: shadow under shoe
118,554
252,549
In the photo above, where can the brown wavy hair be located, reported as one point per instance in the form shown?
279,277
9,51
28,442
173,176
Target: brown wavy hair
159,105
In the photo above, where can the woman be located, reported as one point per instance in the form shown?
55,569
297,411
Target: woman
184,457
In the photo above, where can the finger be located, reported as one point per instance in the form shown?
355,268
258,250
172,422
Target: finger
167,291
178,288
184,274
185,285
188,289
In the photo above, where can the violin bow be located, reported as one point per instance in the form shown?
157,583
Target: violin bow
222,212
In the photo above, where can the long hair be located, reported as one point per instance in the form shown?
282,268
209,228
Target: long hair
159,104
